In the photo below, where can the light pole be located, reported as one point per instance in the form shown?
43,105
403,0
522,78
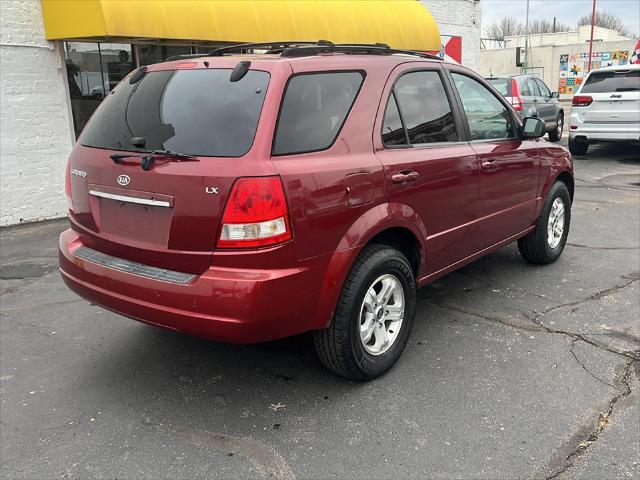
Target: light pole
593,21
526,41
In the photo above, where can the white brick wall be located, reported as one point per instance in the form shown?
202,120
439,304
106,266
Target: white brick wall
35,129
462,18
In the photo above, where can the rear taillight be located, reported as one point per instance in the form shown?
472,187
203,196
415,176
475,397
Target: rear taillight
256,214
581,101
515,94
67,186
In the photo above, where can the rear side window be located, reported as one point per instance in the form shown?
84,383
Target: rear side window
544,90
197,112
424,107
604,82
502,85
313,111
529,89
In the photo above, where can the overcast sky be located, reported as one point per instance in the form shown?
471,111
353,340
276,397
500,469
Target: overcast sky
567,11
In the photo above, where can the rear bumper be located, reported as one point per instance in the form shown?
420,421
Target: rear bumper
606,132
223,304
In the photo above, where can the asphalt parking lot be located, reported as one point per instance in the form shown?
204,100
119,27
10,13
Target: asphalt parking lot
512,371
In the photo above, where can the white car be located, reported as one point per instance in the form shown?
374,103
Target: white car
606,108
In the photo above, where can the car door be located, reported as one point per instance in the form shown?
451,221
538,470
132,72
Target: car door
428,166
509,166
547,110
529,94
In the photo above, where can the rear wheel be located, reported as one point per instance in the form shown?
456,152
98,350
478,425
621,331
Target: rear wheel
373,318
546,242
578,147
556,133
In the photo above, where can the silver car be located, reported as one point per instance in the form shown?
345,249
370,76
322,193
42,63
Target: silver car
606,108
531,97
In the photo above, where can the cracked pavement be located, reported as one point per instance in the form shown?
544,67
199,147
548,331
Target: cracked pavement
512,371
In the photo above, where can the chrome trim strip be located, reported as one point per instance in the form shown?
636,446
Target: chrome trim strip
126,198
133,268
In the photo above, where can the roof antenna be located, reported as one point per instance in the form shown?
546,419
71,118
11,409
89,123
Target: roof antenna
240,71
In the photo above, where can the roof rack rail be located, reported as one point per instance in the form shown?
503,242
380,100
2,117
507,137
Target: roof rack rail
304,49
270,45
185,56
368,49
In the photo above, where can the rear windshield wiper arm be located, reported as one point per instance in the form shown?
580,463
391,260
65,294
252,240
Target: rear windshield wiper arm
148,158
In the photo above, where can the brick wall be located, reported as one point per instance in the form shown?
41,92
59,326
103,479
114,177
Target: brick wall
35,129
462,18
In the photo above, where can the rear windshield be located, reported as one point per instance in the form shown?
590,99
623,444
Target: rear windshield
502,85
196,112
313,110
603,82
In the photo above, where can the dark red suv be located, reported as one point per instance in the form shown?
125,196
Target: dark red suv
244,198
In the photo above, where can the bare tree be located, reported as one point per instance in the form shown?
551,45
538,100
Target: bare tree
607,20
547,26
504,28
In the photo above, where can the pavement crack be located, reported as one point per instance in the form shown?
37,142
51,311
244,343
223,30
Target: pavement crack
589,247
584,367
601,424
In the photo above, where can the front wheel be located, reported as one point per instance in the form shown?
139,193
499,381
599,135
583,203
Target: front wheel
577,147
373,318
546,242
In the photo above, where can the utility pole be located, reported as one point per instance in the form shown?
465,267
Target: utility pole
593,22
526,41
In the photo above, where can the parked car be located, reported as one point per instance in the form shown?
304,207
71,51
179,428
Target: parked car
531,97
248,198
606,108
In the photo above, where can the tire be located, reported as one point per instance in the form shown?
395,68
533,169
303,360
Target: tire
576,147
556,134
539,246
341,347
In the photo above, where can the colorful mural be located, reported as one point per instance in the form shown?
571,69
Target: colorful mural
574,67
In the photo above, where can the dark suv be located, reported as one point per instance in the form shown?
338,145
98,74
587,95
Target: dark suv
531,97
244,198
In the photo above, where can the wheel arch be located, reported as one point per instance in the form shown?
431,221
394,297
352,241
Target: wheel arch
392,224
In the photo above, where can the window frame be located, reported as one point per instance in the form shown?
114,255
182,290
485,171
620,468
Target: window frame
460,132
362,72
544,90
517,122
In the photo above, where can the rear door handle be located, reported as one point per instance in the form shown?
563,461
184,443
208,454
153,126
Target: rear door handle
405,177
489,165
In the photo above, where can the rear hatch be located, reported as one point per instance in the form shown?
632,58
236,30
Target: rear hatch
167,216
615,97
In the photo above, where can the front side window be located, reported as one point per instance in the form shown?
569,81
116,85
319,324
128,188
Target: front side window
487,117
314,108
196,112
427,116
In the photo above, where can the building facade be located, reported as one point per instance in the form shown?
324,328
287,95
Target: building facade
562,67
459,18
51,88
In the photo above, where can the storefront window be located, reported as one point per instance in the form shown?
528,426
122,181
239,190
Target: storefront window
149,54
93,69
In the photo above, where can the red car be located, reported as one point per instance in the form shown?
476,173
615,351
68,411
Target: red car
244,198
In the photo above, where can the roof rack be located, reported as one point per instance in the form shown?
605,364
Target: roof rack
366,49
293,49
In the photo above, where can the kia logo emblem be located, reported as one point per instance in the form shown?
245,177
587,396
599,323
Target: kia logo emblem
123,180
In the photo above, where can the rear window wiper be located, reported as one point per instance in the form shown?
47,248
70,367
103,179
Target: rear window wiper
627,89
148,158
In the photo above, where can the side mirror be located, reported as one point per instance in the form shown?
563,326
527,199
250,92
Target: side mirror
555,95
532,128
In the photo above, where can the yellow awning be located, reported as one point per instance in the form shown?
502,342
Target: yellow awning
404,24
